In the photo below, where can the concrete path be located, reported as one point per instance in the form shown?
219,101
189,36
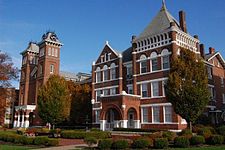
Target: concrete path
67,147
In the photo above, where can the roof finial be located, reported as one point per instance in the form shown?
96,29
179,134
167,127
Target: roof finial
163,5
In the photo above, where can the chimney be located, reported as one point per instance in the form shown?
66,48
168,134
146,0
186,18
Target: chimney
182,18
133,37
211,50
202,50
196,37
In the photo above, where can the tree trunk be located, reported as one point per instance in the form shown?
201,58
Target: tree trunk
53,126
190,125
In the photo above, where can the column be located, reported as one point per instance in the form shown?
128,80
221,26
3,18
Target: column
120,74
102,125
124,123
22,123
137,124
18,120
26,122
15,120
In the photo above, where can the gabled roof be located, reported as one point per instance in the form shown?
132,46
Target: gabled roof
209,56
32,47
159,24
127,54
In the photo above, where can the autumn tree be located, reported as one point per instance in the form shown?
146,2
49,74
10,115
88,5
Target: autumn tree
187,86
8,72
80,103
54,100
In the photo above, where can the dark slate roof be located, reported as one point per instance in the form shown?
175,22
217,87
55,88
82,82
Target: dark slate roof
159,24
127,55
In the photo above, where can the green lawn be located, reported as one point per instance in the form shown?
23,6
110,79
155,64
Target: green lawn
10,147
202,148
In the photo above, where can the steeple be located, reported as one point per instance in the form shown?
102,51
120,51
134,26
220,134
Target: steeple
163,5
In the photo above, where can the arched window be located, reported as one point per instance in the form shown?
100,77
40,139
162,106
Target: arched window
148,41
112,71
98,75
165,35
162,38
105,73
165,59
143,64
154,61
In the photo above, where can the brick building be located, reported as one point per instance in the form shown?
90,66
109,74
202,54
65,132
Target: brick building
39,61
128,87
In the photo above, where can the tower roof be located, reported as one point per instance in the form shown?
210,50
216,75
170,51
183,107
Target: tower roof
32,47
159,24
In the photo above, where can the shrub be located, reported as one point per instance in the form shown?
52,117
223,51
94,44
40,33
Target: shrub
161,143
120,144
72,134
221,130
197,140
206,132
52,142
169,135
95,129
105,144
28,140
215,140
197,127
181,142
41,140
186,132
90,141
155,135
19,139
21,131
141,143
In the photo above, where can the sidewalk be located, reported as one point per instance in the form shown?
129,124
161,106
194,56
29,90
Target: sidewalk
68,147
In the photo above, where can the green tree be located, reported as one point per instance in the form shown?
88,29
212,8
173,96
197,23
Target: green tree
187,86
54,100
80,103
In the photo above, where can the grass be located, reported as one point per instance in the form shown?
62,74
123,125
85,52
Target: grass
10,147
202,148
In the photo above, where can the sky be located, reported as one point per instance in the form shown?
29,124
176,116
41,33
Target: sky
83,26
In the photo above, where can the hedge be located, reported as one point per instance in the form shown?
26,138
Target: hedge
169,135
141,143
20,139
206,132
72,134
120,144
90,141
221,130
135,130
161,143
105,144
215,140
197,140
181,142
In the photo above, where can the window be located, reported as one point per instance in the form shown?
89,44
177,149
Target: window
145,114
51,68
143,64
53,52
209,71
222,81
212,93
40,70
129,72
105,73
155,89
105,92
98,75
144,90
98,94
112,71
166,63
168,114
154,64
113,91
56,52
130,89
156,114
223,98
97,116
49,51
42,52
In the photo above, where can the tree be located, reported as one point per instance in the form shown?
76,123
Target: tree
187,86
8,72
80,103
54,101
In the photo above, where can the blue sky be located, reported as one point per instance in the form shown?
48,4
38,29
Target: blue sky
83,26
